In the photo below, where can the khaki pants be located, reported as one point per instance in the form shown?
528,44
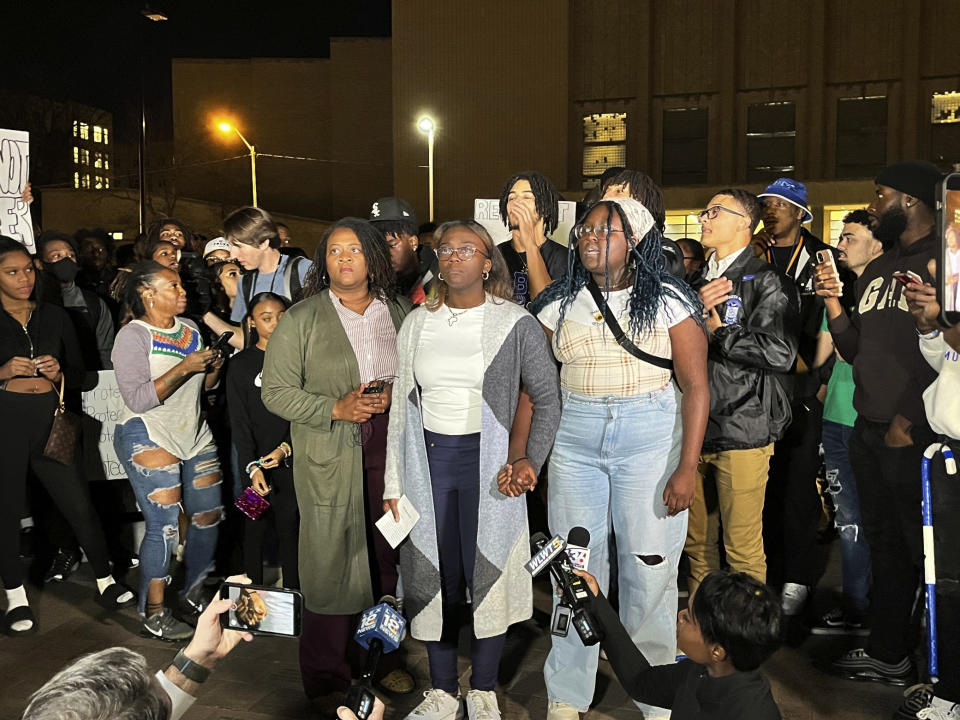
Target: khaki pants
731,486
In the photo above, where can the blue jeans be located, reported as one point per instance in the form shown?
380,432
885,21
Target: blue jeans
196,482
610,464
842,486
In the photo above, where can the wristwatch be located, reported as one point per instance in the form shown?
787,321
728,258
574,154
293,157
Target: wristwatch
189,669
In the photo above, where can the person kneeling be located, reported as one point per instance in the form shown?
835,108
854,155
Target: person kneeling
732,626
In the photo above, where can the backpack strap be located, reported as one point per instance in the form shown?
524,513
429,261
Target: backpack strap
291,279
620,336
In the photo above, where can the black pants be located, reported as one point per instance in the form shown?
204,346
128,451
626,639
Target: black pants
888,481
792,508
26,420
284,516
945,490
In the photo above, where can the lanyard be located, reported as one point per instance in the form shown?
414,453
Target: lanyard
796,254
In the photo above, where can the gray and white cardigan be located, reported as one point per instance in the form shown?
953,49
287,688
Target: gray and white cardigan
515,350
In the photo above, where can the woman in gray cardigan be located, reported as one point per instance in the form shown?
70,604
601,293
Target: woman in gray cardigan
463,357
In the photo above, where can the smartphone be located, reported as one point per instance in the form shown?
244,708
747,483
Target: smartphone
262,610
948,261
220,344
905,277
374,388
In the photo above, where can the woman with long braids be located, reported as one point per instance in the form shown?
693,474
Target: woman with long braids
626,453
462,358
330,347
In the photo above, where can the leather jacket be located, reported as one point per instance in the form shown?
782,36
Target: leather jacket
748,358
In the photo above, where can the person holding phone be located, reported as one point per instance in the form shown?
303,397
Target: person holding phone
326,350
263,447
164,444
463,357
38,352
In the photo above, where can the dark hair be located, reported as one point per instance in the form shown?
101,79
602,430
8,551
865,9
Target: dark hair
741,614
546,196
153,233
498,282
145,245
100,234
396,227
380,276
644,190
861,217
673,258
250,335
692,247
8,245
279,225
650,277
220,299
427,227
607,178
748,202
140,277
251,226
49,236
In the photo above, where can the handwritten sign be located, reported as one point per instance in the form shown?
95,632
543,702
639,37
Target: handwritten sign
487,213
15,219
102,406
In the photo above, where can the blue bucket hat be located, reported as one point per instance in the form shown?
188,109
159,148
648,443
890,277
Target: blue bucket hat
793,192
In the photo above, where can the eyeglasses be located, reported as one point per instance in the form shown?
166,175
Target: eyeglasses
600,232
711,212
464,253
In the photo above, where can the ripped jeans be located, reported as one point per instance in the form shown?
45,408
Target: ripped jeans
610,464
842,486
161,486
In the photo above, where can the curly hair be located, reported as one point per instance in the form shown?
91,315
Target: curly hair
380,275
651,279
498,282
545,194
642,189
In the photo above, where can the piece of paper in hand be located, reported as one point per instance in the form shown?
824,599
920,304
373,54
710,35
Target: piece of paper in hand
394,531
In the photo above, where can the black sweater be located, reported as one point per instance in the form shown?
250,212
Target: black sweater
685,687
49,332
256,430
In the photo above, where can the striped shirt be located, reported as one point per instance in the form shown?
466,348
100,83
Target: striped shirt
373,338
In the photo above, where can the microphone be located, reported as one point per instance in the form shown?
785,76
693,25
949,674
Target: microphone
577,549
380,631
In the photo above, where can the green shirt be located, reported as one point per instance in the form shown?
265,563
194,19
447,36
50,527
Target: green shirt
838,406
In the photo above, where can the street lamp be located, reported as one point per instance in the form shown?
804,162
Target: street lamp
226,128
426,125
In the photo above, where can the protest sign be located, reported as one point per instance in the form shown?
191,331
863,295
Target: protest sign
487,213
15,218
102,406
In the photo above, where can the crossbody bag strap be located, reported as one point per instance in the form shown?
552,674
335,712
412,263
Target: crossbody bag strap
620,336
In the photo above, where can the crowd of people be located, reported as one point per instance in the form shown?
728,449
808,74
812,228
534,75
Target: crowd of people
672,398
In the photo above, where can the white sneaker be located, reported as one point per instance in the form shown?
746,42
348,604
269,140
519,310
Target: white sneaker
482,705
940,710
438,705
793,598
561,711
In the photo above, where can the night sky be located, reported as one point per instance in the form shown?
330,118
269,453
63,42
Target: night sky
90,50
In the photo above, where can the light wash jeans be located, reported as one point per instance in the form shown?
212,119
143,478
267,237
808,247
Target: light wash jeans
610,464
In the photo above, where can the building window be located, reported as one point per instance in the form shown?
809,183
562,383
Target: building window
106,183
97,134
685,146
76,155
106,161
861,136
76,179
771,140
84,156
85,181
945,127
106,136
76,128
604,145
945,108
682,224
98,160
117,235
98,182
833,216
84,131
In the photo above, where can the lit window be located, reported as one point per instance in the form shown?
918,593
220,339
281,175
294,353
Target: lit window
84,131
945,108
106,137
76,180
117,235
97,183
833,216
76,128
85,181
98,160
604,145
106,183
84,156
106,162
76,155
771,139
685,146
682,224
97,134
861,136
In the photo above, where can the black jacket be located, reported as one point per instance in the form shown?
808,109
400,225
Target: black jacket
749,405
49,332
685,687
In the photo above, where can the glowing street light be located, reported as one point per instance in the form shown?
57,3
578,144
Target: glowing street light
226,127
426,125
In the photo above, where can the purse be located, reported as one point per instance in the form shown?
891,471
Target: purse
62,442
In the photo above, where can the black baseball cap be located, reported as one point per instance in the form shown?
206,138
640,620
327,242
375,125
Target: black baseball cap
391,209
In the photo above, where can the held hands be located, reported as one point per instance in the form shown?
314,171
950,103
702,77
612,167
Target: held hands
678,494
210,642
514,479
18,367
358,408
826,280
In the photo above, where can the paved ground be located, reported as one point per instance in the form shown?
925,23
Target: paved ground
261,680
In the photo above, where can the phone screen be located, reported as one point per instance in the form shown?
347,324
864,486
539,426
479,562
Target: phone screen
948,264
262,610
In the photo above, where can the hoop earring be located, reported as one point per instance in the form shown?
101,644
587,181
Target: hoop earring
440,276
324,279
486,275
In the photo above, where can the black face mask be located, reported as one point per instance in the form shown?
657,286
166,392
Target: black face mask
65,270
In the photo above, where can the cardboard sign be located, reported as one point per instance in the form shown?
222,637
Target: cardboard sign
487,213
102,406
15,218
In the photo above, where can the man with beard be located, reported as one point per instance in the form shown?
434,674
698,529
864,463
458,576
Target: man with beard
530,207
891,430
396,221
792,509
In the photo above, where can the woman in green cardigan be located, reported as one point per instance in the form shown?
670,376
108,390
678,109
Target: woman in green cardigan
327,349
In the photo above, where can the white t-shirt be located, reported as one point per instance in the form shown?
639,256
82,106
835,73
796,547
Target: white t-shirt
449,369
592,361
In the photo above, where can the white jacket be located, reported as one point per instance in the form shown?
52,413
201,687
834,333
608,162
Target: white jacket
942,398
